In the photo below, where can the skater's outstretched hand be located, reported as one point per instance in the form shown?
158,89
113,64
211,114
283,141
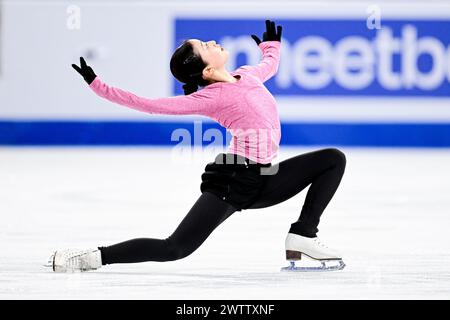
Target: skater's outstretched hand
86,71
270,34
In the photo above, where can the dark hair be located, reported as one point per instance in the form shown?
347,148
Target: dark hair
187,67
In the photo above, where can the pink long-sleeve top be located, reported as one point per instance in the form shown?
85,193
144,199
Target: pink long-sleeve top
245,107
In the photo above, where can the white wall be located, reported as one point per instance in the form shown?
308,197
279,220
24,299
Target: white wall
130,44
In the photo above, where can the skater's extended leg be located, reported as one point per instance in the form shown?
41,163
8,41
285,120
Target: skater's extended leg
208,212
323,169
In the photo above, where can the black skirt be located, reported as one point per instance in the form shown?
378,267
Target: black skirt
235,179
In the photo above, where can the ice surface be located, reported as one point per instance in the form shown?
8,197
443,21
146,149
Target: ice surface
390,218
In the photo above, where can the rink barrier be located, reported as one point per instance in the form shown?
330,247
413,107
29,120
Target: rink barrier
117,133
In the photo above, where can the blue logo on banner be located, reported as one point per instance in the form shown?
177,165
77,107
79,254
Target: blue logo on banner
338,57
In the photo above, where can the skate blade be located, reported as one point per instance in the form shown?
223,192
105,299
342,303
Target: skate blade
323,267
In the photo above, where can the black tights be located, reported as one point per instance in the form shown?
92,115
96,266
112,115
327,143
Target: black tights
323,169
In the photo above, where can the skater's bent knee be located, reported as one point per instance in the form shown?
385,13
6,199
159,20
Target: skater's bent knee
337,156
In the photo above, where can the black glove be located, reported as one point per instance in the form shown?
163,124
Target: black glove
270,34
86,71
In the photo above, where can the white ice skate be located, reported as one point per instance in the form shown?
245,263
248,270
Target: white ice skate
315,251
75,260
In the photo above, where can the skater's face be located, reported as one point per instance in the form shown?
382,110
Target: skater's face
212,54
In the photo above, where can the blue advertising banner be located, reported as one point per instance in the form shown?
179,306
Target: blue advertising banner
324,57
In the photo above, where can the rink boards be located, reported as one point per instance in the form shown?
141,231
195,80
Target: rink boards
350,75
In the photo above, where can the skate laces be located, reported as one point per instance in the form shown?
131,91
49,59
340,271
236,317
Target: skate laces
75,259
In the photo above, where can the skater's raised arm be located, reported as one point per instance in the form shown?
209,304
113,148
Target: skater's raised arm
270,47
201,102
268,66
198,103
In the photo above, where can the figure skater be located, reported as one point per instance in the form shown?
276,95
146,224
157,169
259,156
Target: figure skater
240,179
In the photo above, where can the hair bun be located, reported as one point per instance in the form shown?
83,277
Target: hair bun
190,87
